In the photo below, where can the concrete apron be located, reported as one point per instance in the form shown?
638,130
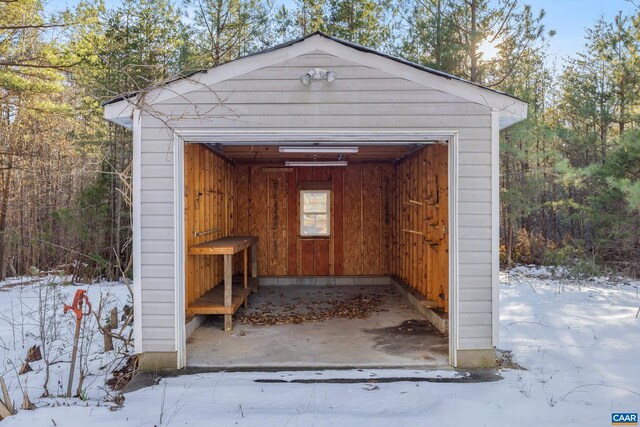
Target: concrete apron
395,335
149,379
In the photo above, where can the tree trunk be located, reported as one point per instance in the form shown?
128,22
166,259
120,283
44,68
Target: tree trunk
4,207
473,42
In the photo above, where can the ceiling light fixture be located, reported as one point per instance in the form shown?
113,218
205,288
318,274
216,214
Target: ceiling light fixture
303,164
318,74
318,149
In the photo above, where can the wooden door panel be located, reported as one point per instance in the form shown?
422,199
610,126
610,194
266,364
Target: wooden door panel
321,257
307,261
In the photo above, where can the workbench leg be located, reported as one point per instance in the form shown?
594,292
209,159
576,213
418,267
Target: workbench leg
228,270
254,264
246,299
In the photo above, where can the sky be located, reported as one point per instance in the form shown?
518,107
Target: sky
569,18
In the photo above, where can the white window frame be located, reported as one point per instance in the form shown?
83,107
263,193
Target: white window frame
328,213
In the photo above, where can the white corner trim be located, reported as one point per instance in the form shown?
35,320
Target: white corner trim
179,251
495,227
136,178
453,251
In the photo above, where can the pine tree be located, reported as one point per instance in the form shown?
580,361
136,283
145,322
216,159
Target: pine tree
31,85
223,30
598,110
129,48
310,16
366,22
428,35
282,27
144,39
587,99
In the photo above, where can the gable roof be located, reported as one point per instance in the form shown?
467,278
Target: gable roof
512,108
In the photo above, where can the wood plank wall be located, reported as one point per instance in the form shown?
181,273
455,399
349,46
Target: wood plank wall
386,219
420,226
267,205
208,204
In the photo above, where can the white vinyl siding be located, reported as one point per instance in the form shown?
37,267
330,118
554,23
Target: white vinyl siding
362,98
157,244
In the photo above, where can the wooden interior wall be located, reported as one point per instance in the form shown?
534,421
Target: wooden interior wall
267,205
385,219
420,229
208,205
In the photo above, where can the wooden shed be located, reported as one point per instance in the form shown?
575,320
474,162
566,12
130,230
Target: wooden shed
317,161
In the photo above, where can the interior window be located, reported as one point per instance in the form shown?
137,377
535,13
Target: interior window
314,212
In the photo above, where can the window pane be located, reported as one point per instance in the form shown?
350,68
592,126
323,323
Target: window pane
315,202
314,213
315,224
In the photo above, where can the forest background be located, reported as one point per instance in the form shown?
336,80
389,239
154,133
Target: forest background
570,173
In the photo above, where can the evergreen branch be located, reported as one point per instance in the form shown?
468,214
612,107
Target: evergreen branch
32,65
31,26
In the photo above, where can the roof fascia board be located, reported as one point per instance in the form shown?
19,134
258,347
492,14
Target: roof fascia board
120,113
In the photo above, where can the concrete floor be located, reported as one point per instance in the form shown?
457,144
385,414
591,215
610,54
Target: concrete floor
394,335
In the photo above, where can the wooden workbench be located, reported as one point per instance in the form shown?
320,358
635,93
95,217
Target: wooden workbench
218,301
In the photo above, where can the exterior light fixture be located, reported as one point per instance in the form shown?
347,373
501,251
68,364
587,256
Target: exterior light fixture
318,149
318,74
303,164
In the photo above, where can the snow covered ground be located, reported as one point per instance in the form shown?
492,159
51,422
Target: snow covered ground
31,308
578,342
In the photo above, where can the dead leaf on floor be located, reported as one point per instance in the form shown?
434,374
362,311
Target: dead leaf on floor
355,307
370,387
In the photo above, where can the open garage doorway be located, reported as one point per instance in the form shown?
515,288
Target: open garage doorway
351,264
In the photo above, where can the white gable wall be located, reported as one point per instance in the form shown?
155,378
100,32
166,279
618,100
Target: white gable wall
273,99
